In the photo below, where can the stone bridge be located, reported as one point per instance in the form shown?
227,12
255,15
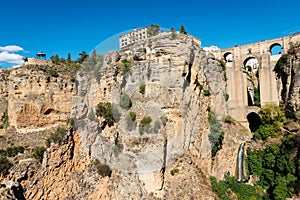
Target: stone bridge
249,71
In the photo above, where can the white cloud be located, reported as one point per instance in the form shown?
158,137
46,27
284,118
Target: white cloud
11,58
11,48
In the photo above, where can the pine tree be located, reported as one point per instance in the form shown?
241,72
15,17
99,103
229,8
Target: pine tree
182,29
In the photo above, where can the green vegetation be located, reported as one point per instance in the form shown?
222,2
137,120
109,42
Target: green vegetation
145,125
109,112
126,66
102,169
5,165
5,121
229,187
272,118
226,96
13,151
256,96
153,30
279,67
174,171
125,102
53,72
206,93
182,29
142,88
229,119
275,169
130,120
216,135
223,64
57,136
38,153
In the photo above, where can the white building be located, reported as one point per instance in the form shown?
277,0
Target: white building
132,37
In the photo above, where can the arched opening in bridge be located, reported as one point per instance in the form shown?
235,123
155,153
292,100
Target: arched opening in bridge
251,69
228,57
275,49
254,121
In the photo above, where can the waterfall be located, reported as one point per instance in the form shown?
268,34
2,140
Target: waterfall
241,177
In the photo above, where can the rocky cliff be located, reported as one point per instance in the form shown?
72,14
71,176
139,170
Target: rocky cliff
167,83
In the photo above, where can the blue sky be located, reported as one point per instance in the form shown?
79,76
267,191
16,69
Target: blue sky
59,27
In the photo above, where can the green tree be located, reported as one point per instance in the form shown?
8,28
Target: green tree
82,56
55,59
69,59
182,29
109,112
144,125
153,30
5,165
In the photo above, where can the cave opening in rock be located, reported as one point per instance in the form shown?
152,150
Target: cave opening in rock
254,121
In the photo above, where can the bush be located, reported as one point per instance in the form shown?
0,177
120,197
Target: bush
5,120
206,93
109,112
130,120
226,96
126,66
5,165
53,72
144,125
38,153
13,151
125,102
223,65
272,114
174,171
265,131
102,169
142,88
229,119
57,136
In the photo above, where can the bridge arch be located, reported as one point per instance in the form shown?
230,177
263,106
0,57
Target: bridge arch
228,57
251,61
254,121
275,49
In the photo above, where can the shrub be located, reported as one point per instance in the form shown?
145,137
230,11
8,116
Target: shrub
38,153
265,131
174,171
57,136
13,151
145,125
273,115
5,165
109,112
206,93
102,169
53,72
5,120
125,102
142,88
223,65
229,119
226,96
126,66
130,120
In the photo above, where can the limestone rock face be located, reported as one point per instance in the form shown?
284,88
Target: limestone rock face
168,157
33,98
289,81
